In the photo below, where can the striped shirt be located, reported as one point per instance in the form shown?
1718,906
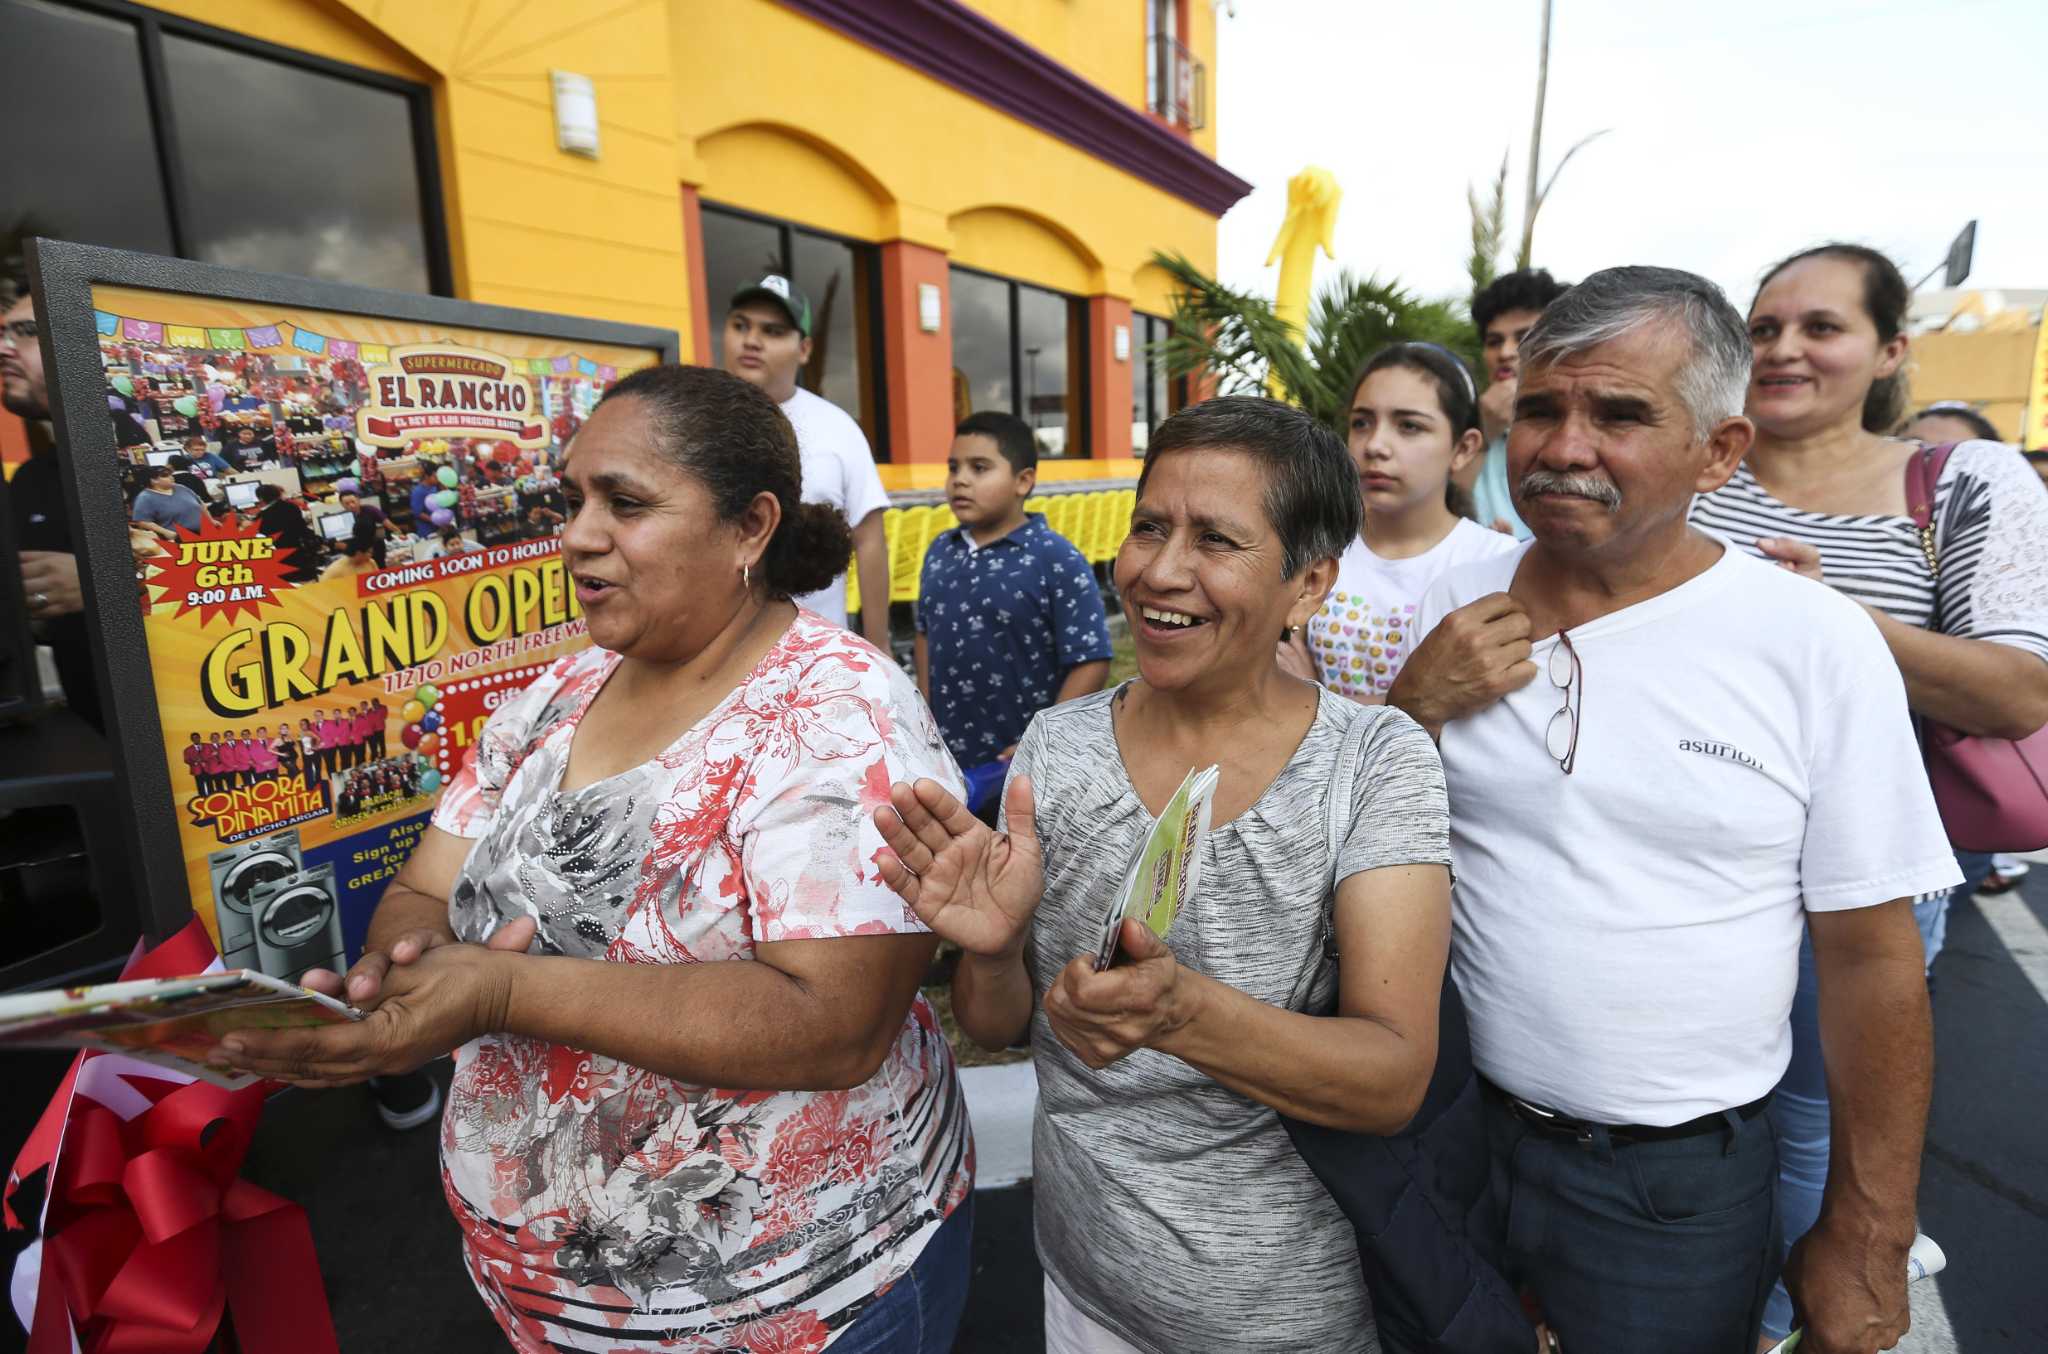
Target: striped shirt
1991,540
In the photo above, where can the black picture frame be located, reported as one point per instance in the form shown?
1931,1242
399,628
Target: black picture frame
62,277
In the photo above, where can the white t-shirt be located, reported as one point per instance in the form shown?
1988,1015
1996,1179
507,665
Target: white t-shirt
839,468
1626,937
1365,630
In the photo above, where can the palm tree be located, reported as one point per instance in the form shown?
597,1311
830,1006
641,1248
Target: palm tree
1237,339
1489,229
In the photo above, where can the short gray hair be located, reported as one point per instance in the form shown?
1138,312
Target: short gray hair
1714,380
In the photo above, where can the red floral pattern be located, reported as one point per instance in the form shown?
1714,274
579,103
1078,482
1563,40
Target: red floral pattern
689,1211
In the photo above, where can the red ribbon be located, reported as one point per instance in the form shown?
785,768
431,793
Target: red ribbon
149,1236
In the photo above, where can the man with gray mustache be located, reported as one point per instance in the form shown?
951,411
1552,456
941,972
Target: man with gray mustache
1666,761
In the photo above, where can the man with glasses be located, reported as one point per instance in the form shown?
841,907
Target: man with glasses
35,504
1666,760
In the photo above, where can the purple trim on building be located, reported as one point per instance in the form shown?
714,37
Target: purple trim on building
956,46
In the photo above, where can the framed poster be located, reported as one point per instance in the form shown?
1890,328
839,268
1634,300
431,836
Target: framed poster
318,545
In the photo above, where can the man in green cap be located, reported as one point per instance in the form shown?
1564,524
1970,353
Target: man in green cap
767,343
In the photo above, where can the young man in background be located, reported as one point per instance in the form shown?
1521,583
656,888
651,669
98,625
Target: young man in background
1503,313
767,343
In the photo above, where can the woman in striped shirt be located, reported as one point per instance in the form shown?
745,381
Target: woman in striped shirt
1823,492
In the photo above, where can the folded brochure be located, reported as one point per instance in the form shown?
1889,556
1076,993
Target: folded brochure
172,1022
1166,868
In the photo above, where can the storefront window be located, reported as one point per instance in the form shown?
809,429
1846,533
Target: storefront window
1154,394
839,276
737,250
158,134
80,162
981,345
1019,348
835,276
292,171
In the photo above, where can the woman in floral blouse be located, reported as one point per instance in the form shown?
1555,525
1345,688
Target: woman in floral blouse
698,1101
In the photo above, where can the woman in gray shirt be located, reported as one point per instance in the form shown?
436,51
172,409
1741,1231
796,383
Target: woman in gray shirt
1172,1212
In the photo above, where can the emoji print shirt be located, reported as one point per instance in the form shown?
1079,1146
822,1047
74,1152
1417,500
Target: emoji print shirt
1362,635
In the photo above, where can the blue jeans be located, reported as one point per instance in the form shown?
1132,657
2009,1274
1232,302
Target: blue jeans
1799,1107
1800,1104
1976,868
1631,1246
920,1312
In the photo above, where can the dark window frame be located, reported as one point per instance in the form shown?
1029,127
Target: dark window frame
1143,321
785,248
151,25
1077,340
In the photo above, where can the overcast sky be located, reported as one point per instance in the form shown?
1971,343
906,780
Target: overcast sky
1741,131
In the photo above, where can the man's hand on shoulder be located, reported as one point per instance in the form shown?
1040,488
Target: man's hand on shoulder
1476,655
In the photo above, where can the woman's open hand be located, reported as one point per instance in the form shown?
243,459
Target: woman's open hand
442,999
975,887
1108,1015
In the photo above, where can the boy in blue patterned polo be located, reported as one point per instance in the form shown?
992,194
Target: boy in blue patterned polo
1008,617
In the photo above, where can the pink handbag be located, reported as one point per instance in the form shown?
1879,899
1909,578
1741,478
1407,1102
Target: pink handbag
1992,792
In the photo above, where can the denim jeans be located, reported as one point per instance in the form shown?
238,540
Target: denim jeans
921,1311
1799,1107
1632,1246
1800,1104
1976,868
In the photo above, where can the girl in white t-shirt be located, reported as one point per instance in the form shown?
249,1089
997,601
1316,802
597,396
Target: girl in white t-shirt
1414,420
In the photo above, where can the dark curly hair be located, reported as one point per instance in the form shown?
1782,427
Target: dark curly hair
1528,289
1885,299
729,437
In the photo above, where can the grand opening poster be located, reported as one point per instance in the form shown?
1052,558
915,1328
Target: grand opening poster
373,566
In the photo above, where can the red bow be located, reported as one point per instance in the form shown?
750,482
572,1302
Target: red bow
149,1236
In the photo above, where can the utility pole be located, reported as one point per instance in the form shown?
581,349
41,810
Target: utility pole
1535,197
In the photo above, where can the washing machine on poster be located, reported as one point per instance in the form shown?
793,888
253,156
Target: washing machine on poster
238,871
297,924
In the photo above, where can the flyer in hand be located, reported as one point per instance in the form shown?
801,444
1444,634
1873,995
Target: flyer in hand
1166,868
172,1022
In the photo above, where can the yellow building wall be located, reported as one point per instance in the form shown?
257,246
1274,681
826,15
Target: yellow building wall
888,153
841,137
1103,42
1988,370
528,225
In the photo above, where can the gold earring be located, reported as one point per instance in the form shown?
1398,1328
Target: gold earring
746,576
